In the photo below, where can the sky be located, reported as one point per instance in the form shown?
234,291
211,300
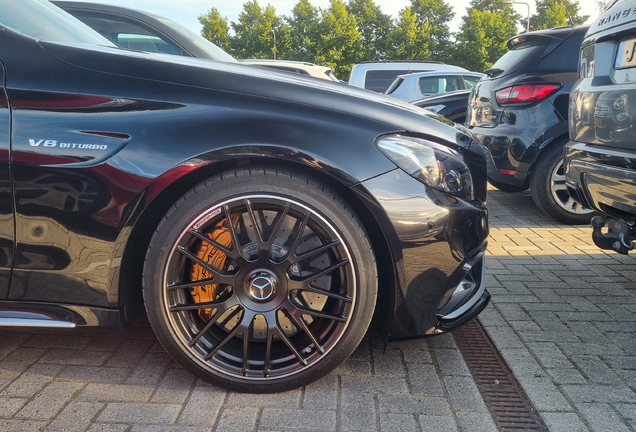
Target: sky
186,12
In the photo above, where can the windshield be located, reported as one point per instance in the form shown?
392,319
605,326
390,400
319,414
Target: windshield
213,51
43,21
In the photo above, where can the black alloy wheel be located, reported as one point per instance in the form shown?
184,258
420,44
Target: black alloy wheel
261,290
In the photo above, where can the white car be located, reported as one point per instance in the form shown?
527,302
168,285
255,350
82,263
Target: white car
303,68
419,85
379,75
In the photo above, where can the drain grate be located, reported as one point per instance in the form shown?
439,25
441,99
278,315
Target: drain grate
511,409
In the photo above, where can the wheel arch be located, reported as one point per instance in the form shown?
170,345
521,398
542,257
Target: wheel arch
141,231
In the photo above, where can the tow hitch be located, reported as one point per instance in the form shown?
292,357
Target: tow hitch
619,235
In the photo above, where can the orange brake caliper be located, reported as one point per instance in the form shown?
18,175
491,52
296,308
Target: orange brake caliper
216,258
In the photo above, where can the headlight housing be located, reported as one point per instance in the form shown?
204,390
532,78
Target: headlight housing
434,165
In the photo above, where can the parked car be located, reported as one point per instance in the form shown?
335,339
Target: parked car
601,158
303,68
451,105
264,231
519,111
415,86
379,75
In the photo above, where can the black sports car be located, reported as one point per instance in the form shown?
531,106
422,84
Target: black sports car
261,217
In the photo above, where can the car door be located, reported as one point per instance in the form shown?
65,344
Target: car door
7,230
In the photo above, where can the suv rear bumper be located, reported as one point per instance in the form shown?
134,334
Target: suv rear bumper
603,177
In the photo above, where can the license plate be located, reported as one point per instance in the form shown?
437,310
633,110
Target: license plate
626,54
598,123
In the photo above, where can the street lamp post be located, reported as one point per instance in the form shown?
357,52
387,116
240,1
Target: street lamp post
527,4
274,33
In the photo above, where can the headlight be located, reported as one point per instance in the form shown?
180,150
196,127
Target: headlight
434,165
620,102
621,116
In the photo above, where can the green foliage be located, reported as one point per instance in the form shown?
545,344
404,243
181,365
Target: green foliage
602,5
408,40
433,17
215,28
483,34
253,36
374,28
555,13
340,43
304,31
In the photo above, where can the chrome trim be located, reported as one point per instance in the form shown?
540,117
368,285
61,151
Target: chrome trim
25,322
474,299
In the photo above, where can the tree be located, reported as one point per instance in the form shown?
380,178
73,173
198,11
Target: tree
340,42
304,31
433,17
407,41
555,13
484,32
215,29
374,27
253,36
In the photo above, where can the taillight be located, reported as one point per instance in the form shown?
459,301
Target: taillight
525,93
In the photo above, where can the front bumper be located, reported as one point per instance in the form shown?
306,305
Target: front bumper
438,244
604,177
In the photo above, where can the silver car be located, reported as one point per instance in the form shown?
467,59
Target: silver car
418,85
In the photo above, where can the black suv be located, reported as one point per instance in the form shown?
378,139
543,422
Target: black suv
519,111
601,158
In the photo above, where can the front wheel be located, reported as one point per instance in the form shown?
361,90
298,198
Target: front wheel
260,280
551,195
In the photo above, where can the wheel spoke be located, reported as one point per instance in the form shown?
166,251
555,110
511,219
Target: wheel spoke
317,251
291,346
268,353
175,287
208,240
319,314
316,290
299,235
216,304
236,246
235,330
219,276
246,345
303,281
257,230
279,222
207,327
300,322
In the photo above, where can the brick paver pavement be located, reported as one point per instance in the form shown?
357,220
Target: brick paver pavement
563,316
94,381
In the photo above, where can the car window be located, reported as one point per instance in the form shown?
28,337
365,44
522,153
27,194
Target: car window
128,33
470,81
393,87
520,56
41,20
439,84
380,80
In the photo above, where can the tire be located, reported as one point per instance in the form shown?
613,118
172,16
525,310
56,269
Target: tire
547,185
302,285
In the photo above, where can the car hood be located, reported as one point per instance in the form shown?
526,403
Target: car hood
258,82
